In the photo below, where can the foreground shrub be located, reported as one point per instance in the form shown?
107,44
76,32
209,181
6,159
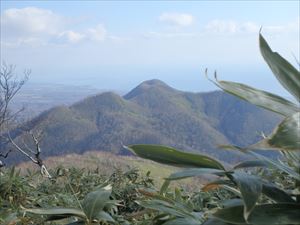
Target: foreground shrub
256,199
72,195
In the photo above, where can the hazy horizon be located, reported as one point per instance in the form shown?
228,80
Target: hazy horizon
117,45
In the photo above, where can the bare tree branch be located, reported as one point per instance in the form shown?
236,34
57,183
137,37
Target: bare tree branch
35,157
6,154
9,87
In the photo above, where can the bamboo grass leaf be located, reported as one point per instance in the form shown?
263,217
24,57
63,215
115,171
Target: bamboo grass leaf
285,73
192,172
260,98
174,157
251,188
95,201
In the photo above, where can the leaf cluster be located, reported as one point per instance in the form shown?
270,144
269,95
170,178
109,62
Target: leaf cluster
257,199
72,196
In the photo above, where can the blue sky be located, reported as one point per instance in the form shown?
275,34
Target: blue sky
117,44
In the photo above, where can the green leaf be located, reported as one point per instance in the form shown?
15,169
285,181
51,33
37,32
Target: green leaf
287,134
292,157
286,74
214,221
233,190
276,164
183,221
250,188
95,201
260,98
232,215
195,172
104,216
61,212
251,163
77,223
275,214
276,194
166,207
177,195
232,202
164,187
171,156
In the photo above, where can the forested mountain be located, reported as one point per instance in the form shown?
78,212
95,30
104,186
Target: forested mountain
152,113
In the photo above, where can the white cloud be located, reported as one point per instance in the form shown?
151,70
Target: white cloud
248,27
35,26
30,21
231,27
158,35
234,27
177,19
97,33
221,26
70,36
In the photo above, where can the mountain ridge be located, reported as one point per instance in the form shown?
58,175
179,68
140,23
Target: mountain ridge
153,113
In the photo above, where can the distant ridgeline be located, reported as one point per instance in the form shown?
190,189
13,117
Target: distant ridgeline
152,113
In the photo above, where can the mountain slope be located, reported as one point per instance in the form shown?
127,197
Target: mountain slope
153,113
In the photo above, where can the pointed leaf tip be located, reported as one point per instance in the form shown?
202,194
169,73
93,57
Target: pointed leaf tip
174,157
286,74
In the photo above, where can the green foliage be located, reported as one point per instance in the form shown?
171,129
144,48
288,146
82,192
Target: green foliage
73,195
180,207
258,198
13,188
92,208
263,214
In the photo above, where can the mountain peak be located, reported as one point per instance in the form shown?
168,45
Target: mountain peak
154,82
147,85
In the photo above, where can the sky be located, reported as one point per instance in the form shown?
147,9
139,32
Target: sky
118,44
